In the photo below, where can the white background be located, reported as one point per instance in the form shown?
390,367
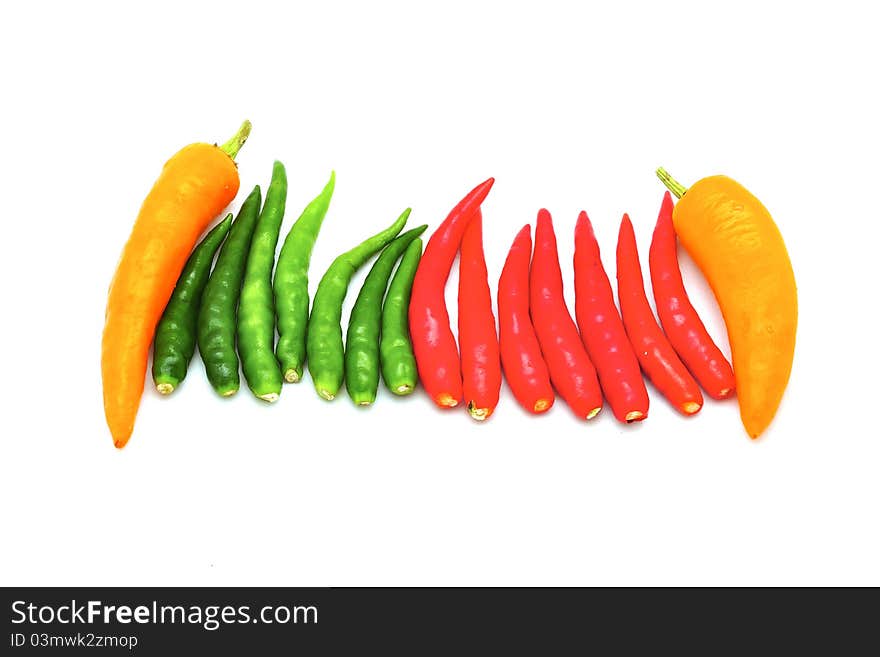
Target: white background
414,105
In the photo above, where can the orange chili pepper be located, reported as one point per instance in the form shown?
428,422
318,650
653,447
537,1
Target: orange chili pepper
193,188
735,242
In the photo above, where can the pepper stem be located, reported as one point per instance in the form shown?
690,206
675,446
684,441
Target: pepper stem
671,183
234,145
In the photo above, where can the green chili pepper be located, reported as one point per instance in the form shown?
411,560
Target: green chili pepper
362,339
175,341
324,347
256,316
292,284
216,325
399,369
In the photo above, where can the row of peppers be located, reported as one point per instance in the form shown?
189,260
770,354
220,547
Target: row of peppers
540,348
599,354
730,235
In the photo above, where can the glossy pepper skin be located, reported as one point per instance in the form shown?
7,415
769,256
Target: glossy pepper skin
324,347
175,341
193,188
477,338
256,314
656,356
219,308
686,332
737,245
602,329
291,284
571,371
433,343
523,364
399,370
365,323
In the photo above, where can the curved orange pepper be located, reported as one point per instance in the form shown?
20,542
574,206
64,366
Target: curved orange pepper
735,242
195,185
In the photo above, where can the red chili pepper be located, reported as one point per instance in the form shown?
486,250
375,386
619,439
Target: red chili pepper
571,371
477,339
602,329
656,356
433,342
524,366
680,321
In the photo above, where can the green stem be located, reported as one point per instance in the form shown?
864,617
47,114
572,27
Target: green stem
671,183
234,145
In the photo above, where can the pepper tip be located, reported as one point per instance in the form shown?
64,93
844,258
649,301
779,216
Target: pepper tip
445,400
542,405
479,414
690,408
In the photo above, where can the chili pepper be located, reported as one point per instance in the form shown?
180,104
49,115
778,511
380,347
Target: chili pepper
735,242
399,370
219,308
433,343
524,366
571,370
656,355
365,322
325,351
256,315
193,188
292,284
681,323
602,329
175,341
480,357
